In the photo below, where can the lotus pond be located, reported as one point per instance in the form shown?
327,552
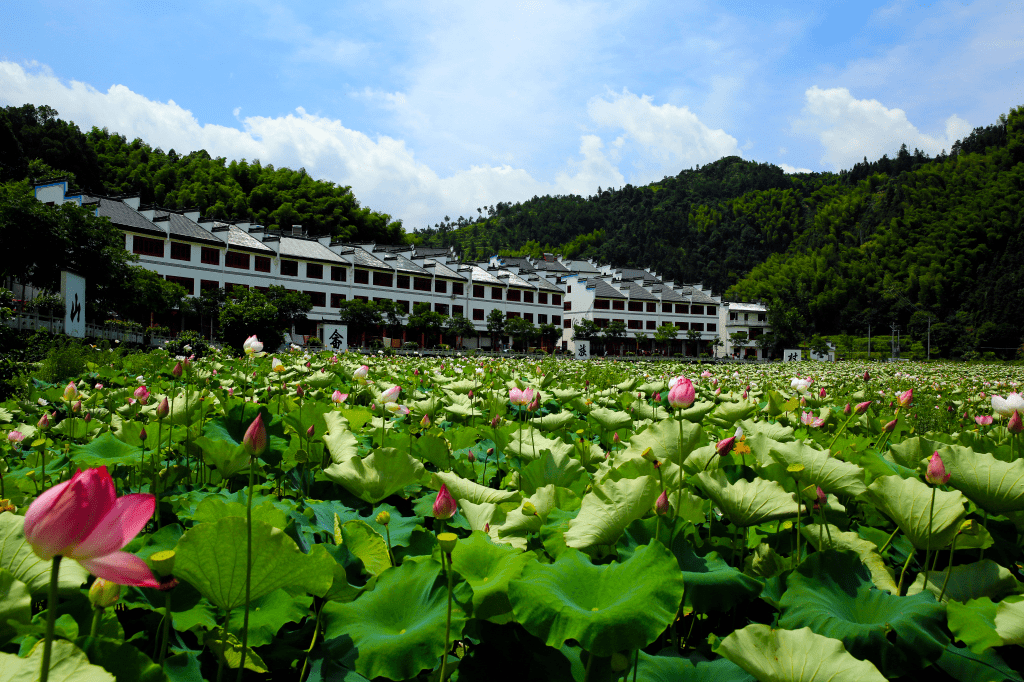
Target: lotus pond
548,520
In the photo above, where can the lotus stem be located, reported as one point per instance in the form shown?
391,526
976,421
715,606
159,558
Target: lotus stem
889,541
94,627
51,619
248,568
586,671
220,663
928,547
448,621
636,663
903,573
841,429
949,569
167,628
316,631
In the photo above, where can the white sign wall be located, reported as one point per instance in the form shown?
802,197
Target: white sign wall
582,350
792,355
72,290
336,337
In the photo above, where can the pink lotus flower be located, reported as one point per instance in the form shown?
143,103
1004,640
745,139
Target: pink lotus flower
339,397
70,391
390,395
518,397
904,398
83,519
983,419
706,374
396,409
808,419
44,422
98,387
361,373
255,439
425,422
444,504
682,393
820,498
142,394
15,438
936,474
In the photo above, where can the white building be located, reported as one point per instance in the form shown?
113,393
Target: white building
743,324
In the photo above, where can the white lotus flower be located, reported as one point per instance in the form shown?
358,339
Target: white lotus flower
1006,407
800,385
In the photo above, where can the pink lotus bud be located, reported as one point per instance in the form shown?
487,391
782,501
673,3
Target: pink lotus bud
1015,425
309,431
255,439
821,393
77,407
862,407
176,372
936,474
425,422
471,395
495,422
471,457
820,498
657,397
44,422
890,427
904,398
231,391
70,391
390,395
361,373
87,418
867,377
490,451
444,504
661,506
535,405
682,394
718,391
847,410
142,434
98,387
615,438
744,395
724,446
163,409
298,390
487,528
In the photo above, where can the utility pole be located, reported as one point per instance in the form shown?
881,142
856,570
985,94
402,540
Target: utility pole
869,340
894,331
929,336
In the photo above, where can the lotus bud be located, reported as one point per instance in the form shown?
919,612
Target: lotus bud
487,528
471,457
615,438
87,418
1015,425
847,410
904,398
862,407
803,401
657,464
384,518
495,422
657,397
425,422
298,390
447,542
867,377
471,395
744,395
176,372
44,422
936,474
529,509
70,391
255,439
163,409
310,431
821,393
444,504
98,387
890,427
969,527
231,391
77,407
661,506
725,446
103,593
821,498
490,451
142,434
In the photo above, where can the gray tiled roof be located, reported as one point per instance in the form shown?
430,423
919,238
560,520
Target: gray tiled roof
603,290
549,266
403,264
670,296
514,280
308,249
442,270
580,266
187,230
364,258
484,277
544,285
700,297
523,264
124,216
242,240
637,292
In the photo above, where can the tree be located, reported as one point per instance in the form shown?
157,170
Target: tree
207,305
738,340
246,314
360,316
614,331
548,332
292,306
641,338
459,327
716,343
496,326
426,322
146,293
521,330
694,336
584,330
666,333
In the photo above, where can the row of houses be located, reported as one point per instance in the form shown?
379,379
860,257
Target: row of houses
198,254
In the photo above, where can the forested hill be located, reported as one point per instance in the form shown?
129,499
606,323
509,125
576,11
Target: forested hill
892,240
35,143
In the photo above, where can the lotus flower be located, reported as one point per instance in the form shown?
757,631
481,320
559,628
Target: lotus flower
390,395
890,427
252,345
44,422
706,374
15,438
444,504
255,439
799,385
518,397
820,498
867,377
983,419
339,397
682,393
936,474
425,422
70,391
83,519
1005,407
661,506
142,394
396,408
904,398
847,410
361,374
276,365
808,419
1015,425
725,446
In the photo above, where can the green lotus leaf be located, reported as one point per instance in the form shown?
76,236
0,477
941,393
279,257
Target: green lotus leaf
630,384
961,664
748,503
211,557
656,412
268,614
462,386
704,458
464,489
214,507
907,501
565,395
488,568
831,593
991,484
881,575
910,452
982,624
367,545
794,656
105,450
339,438
695,413
774,430
553,421
832,475
670,440
384,472
528,443
480,516
15,603
711,584
228,647
75,427
675,668
611,420
552,468
16,556
461,406
608,508
983,578
518,524
68,663
396,630
727,414
607,608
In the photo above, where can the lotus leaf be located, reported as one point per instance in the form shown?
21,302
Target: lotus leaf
670,440
748,503
16,556
881,575
463,489
609,508
982,624
384,472
488,568
983,578
907,501
832,475
993,485
68,663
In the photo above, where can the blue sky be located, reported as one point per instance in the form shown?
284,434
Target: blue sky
434,109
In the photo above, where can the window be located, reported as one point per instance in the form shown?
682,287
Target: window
568,289
362,276
510,314
567,306
314,271
682,325
635,324
403,306
457,311
262,263
652,307
636,306
496,293
734,316
542,319
556,319
290,268
666,307
421,284
478,313
458,288
144,246
602,304
233,259
542,298
364,299
317,298
513,295
440,286
181,251
651,324
556,299
478,291
682,308
187,282
336,300
762,317
205,284
696,310
338,273
528,317
697,326
402,281
527,297
567,324
382,279
711,310
601,322
441,308
231,286
712,327
618,305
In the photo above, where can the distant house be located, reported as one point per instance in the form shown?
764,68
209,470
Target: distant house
743,324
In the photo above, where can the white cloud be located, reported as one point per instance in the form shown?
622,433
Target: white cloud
383,173
793,169
850,129
670,138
